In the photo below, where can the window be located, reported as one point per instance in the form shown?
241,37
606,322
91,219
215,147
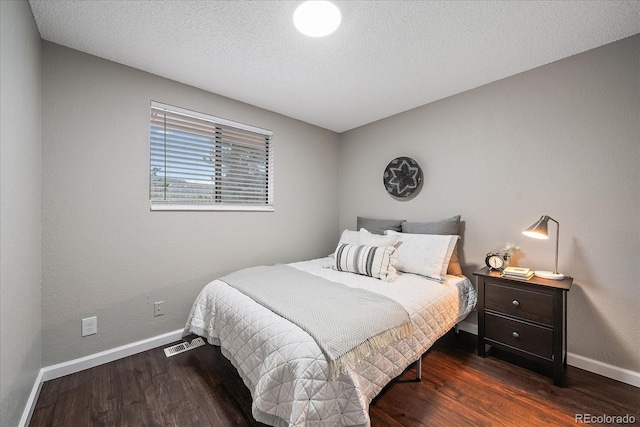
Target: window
201,162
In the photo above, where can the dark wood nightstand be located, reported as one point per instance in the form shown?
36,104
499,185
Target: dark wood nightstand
524,317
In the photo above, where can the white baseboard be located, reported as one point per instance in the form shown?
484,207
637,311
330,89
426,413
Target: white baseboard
93,360
97,359
31,403
614,372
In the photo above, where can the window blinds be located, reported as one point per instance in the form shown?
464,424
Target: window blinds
201,162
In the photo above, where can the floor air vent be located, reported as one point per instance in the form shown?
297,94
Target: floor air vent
184,346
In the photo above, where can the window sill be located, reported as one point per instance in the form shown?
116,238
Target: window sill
195,207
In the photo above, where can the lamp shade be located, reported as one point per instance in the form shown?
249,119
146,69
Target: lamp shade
539,229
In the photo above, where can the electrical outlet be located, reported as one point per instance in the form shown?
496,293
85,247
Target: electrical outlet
89,326
158,309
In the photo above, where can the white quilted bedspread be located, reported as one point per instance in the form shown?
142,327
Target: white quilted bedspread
283,366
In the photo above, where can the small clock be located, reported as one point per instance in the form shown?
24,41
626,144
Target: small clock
495,261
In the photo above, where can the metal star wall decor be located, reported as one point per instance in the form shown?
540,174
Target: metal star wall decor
402,177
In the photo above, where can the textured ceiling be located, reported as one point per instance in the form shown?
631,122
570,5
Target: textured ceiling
387,56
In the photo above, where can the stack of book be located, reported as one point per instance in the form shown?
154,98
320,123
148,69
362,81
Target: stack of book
517,273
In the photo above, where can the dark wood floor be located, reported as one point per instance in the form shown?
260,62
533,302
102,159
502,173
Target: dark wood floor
201,388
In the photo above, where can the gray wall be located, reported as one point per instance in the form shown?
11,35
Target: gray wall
106,254
561,140
20,328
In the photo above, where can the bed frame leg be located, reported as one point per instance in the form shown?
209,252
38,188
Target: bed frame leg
456,329
419,369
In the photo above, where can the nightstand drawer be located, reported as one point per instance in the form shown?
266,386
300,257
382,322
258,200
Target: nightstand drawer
524,304
533,339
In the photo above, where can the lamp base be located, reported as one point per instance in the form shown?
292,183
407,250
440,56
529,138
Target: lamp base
549,275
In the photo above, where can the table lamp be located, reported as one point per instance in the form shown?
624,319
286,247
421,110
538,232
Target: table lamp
539,231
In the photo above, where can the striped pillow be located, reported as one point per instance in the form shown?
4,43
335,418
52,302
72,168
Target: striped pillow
370,261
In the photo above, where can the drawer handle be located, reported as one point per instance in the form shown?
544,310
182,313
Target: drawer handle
515,302
515,334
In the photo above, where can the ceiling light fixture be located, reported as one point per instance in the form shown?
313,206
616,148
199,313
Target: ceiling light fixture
317,18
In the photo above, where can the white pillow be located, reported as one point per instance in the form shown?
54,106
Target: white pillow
370,261
369,239
348,237
424,254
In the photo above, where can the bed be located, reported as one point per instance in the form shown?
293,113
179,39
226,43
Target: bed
284,368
